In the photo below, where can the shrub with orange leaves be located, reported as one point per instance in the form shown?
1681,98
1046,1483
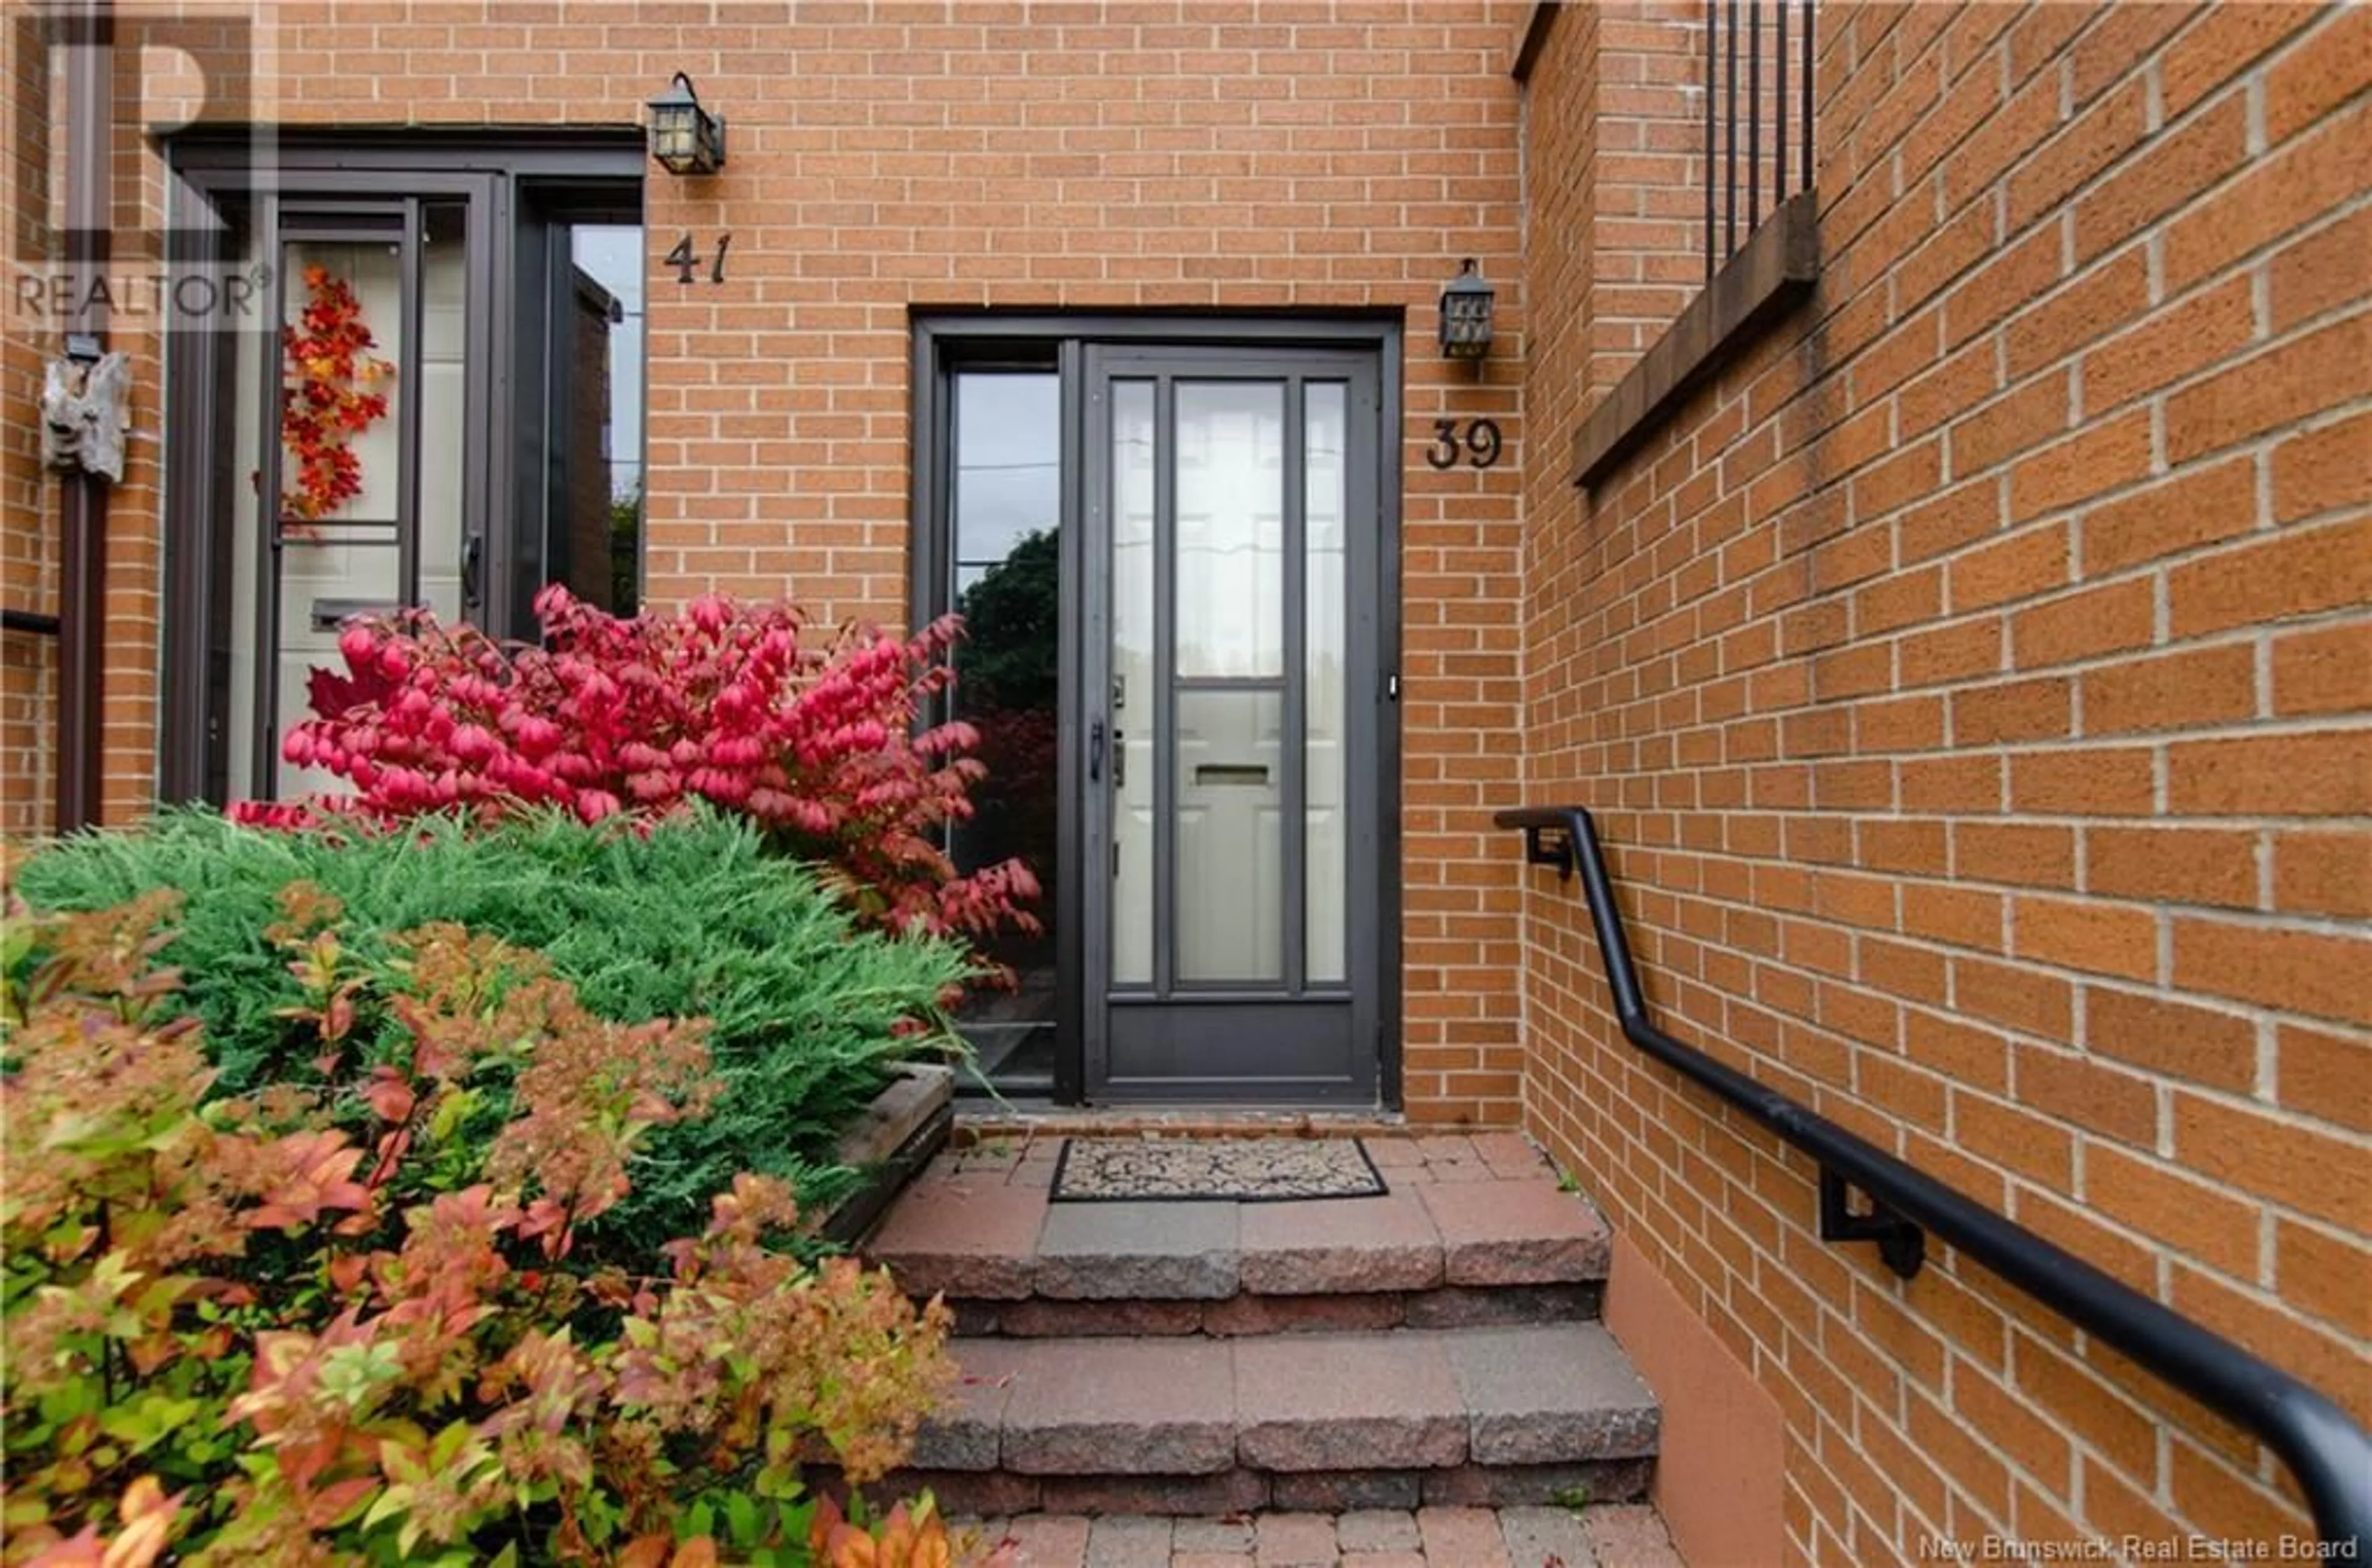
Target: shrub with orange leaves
333,1320
915,1537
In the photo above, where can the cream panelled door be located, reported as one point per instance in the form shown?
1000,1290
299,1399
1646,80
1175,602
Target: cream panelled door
1233,710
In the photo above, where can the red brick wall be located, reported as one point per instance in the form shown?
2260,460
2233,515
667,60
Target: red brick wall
1614,199
1645,175
31,507
28,549
1318,155
1972,683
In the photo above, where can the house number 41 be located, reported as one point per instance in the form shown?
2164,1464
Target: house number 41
686,260
1477,443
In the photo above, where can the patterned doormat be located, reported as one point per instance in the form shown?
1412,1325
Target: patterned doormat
1240,1170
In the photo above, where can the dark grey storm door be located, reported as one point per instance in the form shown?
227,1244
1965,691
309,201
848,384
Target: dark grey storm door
1231,704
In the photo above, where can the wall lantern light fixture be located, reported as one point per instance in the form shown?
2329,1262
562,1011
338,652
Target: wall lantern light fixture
1466,314
685,137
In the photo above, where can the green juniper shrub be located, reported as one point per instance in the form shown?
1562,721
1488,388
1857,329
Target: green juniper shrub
343,1320
808,1012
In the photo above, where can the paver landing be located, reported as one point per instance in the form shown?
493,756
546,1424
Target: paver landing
1609,1536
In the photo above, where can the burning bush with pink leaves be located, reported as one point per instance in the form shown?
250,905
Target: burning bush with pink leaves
825,749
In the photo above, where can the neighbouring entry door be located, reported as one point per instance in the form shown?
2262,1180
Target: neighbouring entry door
1231,705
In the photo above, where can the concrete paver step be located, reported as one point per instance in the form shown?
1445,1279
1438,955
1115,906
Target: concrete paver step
1400,1400
1407,1378
1459,1241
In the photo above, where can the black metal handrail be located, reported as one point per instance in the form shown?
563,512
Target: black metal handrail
1732,170
39,624
2325,1449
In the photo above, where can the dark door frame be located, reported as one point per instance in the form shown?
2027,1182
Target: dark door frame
945,342
208,168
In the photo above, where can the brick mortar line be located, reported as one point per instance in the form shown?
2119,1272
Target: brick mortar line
2154,316
2156,398
2252,633
2063,1488
2167,1256
2246,81
2234,1009
2291,828
1951,1012
2205,823
2259,447
1852,407
2163,1418
2238,823
2002,610
2292,1116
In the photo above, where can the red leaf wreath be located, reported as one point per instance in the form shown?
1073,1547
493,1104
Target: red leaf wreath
325,401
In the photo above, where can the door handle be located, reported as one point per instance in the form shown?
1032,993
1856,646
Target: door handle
469,564
1096,751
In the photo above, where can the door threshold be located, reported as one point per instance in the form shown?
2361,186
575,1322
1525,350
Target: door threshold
976,1123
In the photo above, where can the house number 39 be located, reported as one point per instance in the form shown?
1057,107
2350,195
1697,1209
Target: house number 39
685,259
1477,443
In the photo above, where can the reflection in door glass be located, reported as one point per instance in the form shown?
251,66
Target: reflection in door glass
595,546
1006,500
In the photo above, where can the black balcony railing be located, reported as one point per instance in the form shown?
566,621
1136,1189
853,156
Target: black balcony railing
1754,148
2328,1453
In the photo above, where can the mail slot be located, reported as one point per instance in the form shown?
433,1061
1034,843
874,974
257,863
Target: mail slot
329,614
1252,774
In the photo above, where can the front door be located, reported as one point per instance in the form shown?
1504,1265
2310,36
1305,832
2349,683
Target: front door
431,400
1231,705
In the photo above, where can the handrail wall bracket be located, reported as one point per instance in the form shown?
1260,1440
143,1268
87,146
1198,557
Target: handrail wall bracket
1546,844
1901,1243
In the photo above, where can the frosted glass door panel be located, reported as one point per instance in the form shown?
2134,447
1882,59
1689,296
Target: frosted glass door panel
373,269
1230,529
1326,641
1134,451
444,344
311,574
